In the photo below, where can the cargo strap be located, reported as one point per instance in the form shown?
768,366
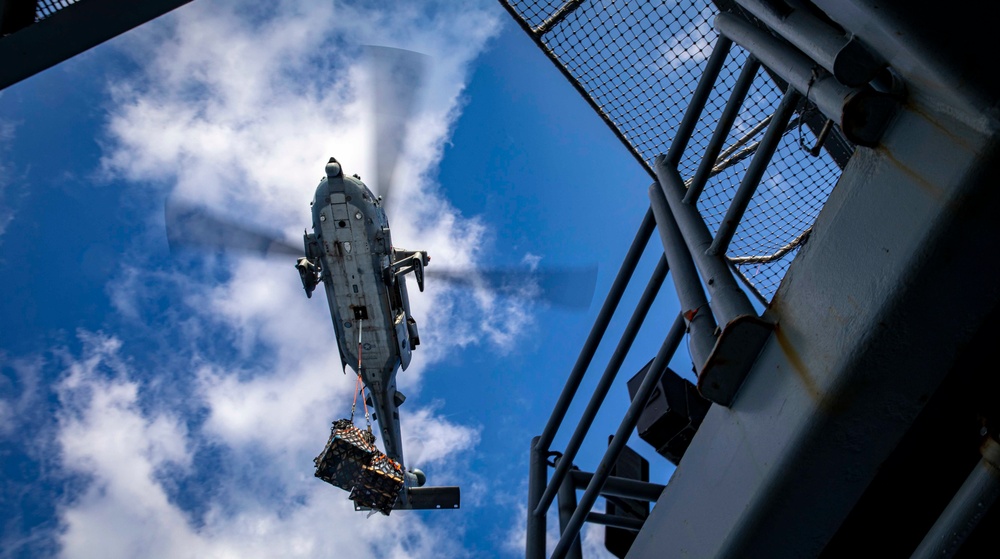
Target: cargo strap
359,387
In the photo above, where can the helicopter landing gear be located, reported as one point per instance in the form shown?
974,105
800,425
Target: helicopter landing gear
406,261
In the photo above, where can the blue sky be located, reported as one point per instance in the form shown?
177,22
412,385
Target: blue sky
170,405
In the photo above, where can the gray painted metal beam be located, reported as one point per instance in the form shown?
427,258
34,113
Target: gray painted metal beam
743,334
70,31
943,55
567,506
842,55
972,501
534,538
862,113
701,324
620,487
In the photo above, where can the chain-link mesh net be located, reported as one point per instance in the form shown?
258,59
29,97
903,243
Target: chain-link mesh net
639,63
46,8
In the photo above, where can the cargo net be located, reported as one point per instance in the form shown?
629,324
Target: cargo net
638,63
351,462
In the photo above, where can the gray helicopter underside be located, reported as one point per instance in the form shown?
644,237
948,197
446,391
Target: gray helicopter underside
356,246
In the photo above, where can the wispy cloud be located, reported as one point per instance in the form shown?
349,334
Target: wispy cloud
20,393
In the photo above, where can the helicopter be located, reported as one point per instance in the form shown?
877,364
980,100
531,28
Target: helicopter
350,252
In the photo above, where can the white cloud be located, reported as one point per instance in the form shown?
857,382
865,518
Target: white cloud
128,453
438,440
692,45
19,394
104,435
240,113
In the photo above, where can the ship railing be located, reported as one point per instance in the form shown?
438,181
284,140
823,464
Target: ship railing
726,332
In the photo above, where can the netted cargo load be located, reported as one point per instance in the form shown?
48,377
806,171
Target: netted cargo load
351,462
347,453
379,484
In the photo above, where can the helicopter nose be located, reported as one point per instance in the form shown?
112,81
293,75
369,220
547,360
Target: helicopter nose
333,169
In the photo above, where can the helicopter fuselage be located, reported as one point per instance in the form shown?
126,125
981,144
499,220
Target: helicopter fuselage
352,248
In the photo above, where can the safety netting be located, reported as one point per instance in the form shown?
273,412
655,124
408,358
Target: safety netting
46,8
638,63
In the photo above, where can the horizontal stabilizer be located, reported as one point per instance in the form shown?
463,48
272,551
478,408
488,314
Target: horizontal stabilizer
427,498
446,497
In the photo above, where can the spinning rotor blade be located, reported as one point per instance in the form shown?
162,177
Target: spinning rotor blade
571,288
396,77
196,227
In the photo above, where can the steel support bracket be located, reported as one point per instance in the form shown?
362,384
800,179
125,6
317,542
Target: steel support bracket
734,353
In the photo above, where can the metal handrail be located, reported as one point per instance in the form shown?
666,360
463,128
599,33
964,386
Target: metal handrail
621,436
604,385
698,259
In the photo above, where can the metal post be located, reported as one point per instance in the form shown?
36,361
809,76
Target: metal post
862,114
597,331
535,534
728,301
620,486
604,384
567,506
614,521
755,171
698,99
625,429
743,332
972,501
701,323
722,128
841,55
